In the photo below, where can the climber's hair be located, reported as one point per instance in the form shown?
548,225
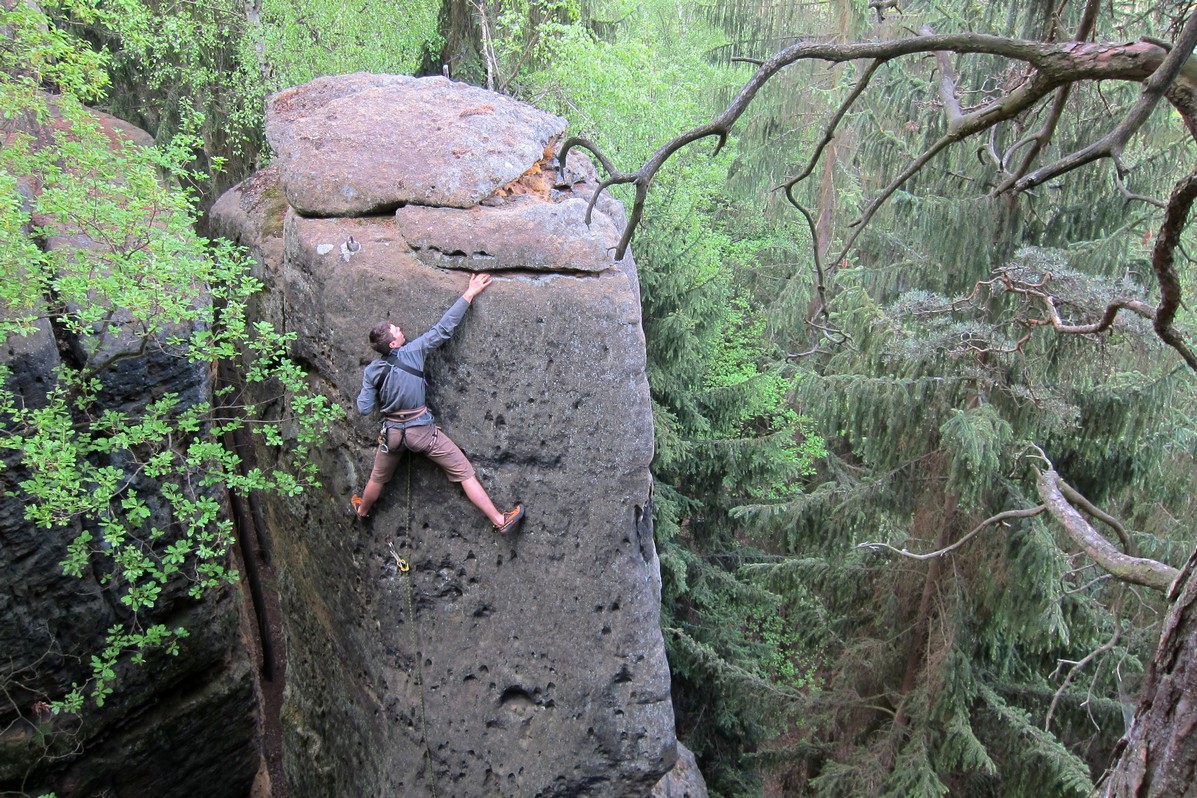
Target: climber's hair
380,338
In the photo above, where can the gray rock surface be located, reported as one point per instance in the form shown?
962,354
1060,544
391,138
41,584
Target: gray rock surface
684,781
533,666
511,236
350,145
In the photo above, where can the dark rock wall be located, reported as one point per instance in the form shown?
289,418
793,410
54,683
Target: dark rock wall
493,667
184,725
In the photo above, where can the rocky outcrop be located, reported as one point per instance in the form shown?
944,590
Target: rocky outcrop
182,725
428,656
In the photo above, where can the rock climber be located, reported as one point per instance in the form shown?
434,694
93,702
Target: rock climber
394,385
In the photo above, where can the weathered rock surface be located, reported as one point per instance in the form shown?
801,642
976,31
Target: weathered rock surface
512,236
684,781
359,144
184,725
526,667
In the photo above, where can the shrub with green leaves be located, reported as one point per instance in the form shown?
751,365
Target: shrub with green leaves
100,261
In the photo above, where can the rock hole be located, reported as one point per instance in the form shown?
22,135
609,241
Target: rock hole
516,698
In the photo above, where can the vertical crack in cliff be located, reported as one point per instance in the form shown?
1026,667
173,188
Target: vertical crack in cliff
254,549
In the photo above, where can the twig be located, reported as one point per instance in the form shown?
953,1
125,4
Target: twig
1078,666
999,518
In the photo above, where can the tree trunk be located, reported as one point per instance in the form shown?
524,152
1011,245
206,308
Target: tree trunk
1158,756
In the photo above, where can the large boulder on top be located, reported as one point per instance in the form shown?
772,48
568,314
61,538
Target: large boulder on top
357,144
530,666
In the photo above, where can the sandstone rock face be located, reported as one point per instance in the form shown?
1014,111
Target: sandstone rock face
684,781
358,144
531,666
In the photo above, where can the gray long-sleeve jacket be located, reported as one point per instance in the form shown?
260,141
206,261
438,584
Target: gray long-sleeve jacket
390,389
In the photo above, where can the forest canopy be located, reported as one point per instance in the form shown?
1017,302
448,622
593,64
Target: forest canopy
914,282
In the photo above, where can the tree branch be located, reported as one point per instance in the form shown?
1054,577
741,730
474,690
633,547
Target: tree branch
1040,138
1077,667
1054,64
1135,570
988,522
1111,145
1074,496
1163,256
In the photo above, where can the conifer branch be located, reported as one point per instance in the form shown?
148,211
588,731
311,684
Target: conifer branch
1135,570
988,522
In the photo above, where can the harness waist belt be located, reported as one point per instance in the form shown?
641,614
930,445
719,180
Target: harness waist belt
406,415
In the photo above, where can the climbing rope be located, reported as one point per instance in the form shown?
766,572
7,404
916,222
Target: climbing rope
404,565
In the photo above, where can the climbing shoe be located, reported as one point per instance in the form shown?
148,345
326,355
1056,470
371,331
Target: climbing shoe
511,520
355,502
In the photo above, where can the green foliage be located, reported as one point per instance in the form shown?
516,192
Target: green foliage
298,40
101,261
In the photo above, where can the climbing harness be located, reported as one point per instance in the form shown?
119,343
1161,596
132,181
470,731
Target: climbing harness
403,563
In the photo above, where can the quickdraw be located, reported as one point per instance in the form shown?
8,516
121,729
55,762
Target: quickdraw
400,563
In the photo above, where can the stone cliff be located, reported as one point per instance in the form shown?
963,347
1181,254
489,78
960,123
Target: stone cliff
526,667
184,725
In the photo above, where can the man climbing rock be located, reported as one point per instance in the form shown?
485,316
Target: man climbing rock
394,384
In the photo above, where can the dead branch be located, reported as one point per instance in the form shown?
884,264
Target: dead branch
1074,496
988,522
1078,666
1053,65
1135,570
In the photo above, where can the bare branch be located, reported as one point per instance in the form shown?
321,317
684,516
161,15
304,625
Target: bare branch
829,130
1077,667
1120,182
820,285
1111,145
1074,496
988,522
1135,570
1041,137
1054,63
1163,256
1057,322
